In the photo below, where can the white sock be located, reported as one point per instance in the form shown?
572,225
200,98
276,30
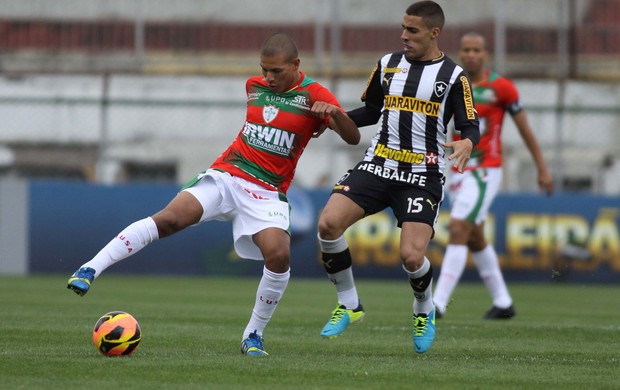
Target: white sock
268,295
128,242
345,288
488,267
452,268
343,280
423,301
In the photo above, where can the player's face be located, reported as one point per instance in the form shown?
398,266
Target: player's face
473,54
281,74
418,39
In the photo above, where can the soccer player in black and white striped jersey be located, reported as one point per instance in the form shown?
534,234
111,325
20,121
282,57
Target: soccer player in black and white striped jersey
412,94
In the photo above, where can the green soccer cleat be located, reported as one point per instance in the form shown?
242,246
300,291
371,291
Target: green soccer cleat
80,281
340,319
423,331
253,346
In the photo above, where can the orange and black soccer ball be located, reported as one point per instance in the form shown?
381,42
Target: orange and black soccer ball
117,334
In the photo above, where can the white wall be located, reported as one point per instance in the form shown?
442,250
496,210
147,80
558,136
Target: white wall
189,120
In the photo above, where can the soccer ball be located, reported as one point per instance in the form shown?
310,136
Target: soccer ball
117,334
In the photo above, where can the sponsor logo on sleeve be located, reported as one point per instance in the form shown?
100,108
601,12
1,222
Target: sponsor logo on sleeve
467,97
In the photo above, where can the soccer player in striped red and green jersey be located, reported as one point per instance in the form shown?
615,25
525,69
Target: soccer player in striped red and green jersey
247,184
472,193
283,114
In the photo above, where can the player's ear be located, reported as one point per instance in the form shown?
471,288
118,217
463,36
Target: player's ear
435,31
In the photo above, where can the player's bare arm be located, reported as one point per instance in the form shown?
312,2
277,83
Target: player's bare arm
319,131
545,179
338,121
461,152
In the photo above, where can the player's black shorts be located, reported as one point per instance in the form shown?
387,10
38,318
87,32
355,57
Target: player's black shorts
412,197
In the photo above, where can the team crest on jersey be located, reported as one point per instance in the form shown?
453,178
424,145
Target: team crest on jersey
270,113
486,95
440,88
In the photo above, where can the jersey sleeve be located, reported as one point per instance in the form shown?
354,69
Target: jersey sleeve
508,96
322,94
249,82
373,98
465,116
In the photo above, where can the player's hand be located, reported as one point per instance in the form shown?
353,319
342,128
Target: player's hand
461,152
545,181
324,110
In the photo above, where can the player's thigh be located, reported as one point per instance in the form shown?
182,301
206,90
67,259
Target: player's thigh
183,211
473,193
417,204
274,244
206,189
414,239
357,194
339,213
258,209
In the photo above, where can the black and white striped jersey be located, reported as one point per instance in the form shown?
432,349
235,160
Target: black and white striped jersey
414,101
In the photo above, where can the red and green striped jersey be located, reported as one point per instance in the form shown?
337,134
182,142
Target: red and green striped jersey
277,128
493,96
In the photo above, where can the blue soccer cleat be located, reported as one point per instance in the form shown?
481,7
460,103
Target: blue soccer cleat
80,281
253,346
423,331
340,319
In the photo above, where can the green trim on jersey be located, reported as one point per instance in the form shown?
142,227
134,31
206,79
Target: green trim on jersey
254,169
192,182
294,101
482,189
306,81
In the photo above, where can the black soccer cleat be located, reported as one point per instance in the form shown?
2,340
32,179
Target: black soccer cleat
496,313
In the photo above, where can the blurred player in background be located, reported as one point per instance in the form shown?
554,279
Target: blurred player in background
414,93
247,184
472,193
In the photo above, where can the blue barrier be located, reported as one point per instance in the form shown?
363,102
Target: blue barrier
561,238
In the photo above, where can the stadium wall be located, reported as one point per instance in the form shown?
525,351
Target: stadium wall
186,121
14,239
564,238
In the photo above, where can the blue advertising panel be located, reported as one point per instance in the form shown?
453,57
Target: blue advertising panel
559,238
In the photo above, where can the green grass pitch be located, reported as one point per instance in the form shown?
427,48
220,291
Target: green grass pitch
565,336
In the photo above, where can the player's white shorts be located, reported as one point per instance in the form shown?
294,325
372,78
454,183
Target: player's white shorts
472,193
250,207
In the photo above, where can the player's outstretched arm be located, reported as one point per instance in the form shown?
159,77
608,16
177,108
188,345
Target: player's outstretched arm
545,179
339,121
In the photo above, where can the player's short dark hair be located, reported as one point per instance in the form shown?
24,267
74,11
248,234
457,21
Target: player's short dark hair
429,11
280,43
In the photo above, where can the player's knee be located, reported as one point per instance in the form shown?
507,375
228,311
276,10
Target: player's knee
459,231
277,260
328,229
412,259
476,243
168,223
